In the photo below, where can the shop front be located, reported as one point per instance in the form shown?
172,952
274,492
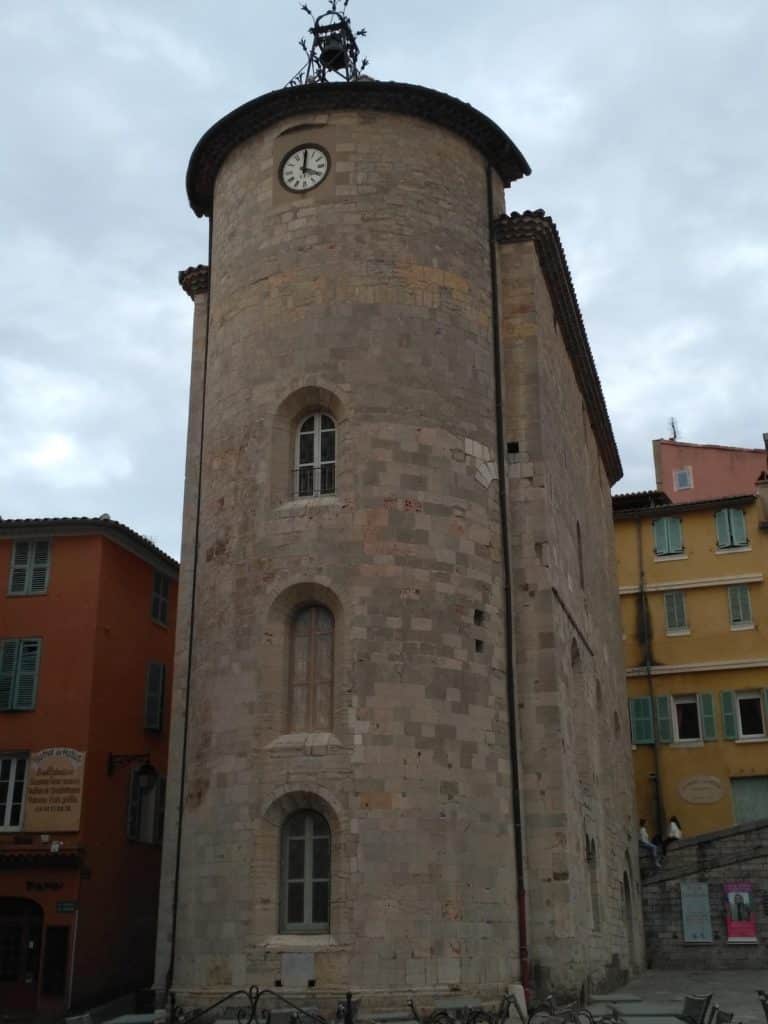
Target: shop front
38,923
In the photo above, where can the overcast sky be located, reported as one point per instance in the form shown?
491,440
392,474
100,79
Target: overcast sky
644,125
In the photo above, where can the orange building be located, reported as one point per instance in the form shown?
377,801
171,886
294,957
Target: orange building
87,620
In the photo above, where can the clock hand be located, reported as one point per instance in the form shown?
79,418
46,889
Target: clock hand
304,166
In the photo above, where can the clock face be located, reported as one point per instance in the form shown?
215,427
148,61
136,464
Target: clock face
304,168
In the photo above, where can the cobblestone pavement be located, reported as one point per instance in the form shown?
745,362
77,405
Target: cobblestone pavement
733,991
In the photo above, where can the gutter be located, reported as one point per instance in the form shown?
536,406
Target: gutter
169,995
501,458
648,665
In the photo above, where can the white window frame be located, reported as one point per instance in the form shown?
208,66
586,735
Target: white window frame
323,470
307,925
6,808
689,698
676,478
750,695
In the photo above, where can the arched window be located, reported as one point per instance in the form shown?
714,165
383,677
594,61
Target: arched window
312,670
316,456
305,899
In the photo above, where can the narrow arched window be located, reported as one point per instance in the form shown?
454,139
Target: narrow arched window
305,898
312,670
316,456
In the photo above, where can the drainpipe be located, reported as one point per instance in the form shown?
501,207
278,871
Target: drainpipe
501,458
190,641
648,662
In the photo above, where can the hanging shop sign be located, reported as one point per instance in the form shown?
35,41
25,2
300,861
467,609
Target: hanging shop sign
54,790
697,919
740,919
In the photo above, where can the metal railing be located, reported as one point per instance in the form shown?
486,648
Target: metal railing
314,481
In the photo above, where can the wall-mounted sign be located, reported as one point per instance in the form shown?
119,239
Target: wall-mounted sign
740,919
66,907
54,790
701,789
697,919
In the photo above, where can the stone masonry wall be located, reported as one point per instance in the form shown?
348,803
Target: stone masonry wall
736,854
369,299
577,777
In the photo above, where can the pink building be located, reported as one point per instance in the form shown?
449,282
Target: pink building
697,472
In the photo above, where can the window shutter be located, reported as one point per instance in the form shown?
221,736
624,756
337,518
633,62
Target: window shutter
660,536
154,696
40,565
9,650
26,676
674,609
739,605
664,719
641,720
728,704
707,714
722,528
134,805
157,832
674,535
19,564
738,526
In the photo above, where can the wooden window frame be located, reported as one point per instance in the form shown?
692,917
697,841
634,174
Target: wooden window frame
312,723
750,695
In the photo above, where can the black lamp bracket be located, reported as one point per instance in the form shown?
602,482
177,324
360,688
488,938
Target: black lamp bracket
115,761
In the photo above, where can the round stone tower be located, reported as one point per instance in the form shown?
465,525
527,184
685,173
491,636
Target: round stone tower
341,734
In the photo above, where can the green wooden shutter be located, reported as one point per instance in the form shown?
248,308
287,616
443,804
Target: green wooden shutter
728,704
660,536
641,720
25,691
134,805
19,565
674,535
674,609
154,696
159,820
707,713
40,565
664,719
738,527
722,528
739,605
9,650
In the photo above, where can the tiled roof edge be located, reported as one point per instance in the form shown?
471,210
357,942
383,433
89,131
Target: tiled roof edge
535,226
388,97
82,525
691,506
194,280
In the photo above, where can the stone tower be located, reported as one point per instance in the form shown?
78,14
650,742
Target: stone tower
365,598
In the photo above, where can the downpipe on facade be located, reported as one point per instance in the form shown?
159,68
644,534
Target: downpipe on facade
517,823
169,994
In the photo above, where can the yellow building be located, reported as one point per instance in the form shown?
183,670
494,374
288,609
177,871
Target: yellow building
694,609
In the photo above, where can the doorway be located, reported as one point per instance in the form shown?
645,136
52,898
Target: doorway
21,925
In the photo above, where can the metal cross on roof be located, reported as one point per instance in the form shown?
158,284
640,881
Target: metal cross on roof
333,53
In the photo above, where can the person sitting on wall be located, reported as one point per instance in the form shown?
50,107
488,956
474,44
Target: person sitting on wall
646,844
674,832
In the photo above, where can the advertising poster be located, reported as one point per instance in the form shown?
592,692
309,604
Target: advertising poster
54,790
740,921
